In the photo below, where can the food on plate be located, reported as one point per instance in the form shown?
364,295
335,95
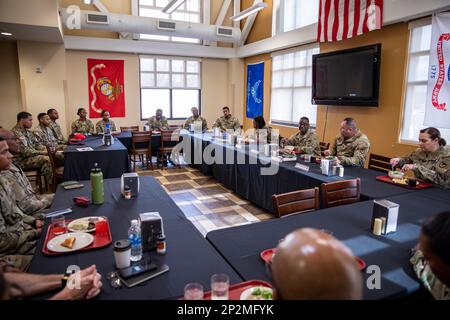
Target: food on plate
80,225
259,293
396,174
69,242
403,181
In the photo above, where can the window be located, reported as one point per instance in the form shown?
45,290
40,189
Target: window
170,84
188,11
294,14
291,87
416,85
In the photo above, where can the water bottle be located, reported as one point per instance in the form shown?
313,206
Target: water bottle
134,235
98,192
107,141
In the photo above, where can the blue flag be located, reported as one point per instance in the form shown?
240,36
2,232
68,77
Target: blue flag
255,90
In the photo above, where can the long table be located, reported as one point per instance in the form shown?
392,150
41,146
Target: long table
243,173
241,246
190,257
113,160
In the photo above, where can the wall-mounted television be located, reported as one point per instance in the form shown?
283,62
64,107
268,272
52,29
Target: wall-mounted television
348,77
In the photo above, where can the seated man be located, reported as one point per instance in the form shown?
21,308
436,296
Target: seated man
227,121
100,127
26,199
431,259
82,125
351,146
18,232
194,118
57,132
19,285
158,121
45,136
306,140
312,265
32,155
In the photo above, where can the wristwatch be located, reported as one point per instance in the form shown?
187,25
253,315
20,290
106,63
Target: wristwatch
65,278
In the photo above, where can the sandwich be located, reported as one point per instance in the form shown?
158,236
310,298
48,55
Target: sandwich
69,242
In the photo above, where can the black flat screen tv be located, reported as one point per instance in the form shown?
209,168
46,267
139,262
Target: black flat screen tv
348,77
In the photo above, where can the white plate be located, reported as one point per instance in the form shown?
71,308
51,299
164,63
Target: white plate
246,294
82,240
72,224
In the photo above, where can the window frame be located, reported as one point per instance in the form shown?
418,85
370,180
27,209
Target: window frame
306,47
170,88
278,18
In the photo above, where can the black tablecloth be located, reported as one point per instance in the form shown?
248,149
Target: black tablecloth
190,257
113,160
243,174
241,246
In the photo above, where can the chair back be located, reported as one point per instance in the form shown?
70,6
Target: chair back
168,136
141,140
323,146
296,202
379,163
340,192
127,129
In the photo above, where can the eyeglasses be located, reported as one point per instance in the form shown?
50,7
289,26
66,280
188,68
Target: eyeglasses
114,280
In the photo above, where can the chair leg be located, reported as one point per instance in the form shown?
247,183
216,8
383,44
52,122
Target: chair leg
39,180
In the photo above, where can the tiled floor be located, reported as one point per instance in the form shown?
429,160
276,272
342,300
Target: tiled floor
204,201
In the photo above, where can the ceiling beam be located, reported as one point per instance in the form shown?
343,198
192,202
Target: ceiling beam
101,7
206,17
249,24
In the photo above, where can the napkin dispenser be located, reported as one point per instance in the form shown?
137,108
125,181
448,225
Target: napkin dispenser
271,148
151,226
131,180
387,212
217,132
326,165
196,126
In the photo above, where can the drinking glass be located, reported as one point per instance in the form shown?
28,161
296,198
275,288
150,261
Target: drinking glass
193,291
59,225
220,283
101,227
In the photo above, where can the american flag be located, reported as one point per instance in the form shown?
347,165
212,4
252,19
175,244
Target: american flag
344,19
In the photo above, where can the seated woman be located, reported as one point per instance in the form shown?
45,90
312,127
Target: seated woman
18,285
260,132
101,125
82,125
431,259
431,161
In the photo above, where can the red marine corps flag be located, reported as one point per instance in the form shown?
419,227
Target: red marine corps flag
106,87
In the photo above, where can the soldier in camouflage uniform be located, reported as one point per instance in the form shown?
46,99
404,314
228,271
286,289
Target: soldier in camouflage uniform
227,121
82,125
431,161
194,118
18,232
32,155
26,199
45,136
431,258
306,140
158,121
56,129
100,126
351,147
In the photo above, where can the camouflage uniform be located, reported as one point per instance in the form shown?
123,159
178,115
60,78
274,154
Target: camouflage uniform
352,151
100,127
307,143
22,191
45,136
18,236
57,132
434,166
29,157
227,123
161,124
83,127
438,290
191,120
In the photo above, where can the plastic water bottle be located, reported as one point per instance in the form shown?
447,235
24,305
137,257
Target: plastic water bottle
134,235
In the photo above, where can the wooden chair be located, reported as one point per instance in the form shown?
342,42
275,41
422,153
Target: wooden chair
57,171
168,137
340,192
175,126
141,145
296,202
379,163
132,129
36,177
323,146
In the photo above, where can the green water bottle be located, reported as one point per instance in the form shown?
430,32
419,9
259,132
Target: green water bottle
98,193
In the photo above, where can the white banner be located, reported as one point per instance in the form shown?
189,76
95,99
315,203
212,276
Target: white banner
437,109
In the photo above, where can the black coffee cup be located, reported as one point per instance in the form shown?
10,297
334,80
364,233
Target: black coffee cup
313,159
412,183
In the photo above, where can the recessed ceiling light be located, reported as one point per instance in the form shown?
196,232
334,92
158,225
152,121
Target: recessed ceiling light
6,34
